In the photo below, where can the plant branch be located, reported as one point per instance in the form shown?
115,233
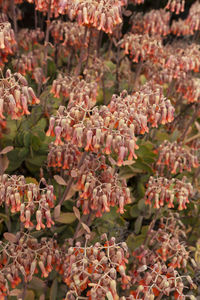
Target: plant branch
71,180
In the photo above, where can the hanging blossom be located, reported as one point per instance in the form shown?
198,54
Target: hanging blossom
156,270
181,28
27,63
176,6
23,256
142,47
189,88
96,268
182,58
45,6
175,157
112,128
15,96
28,199
155,22
162,190
26,38
65,157
193,17
103,15
7,41
79,91
100,187
69,34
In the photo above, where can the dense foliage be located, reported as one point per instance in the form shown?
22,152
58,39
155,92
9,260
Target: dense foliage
99,149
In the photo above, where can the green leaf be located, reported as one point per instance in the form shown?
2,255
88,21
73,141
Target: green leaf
134,211
53,290
138,224
66,218
35,142
23,152
141,205
27,139
36,160
140,189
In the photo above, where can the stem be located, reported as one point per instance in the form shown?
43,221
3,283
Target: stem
71,180
103,88
137,73
78,69
47,37
117,71
35,17
14,16
148,236
194,116
24,290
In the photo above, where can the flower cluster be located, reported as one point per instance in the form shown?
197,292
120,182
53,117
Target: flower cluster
189,89
22,257
155,22
99,187
193,17
103,15
79,91
15,95
189,25
175,157
181,28
7,41
155,269
113,128
183,59
70,34
27,62
26,38
176,6
64,157
141,46
25,198
162,190
96,268
45,5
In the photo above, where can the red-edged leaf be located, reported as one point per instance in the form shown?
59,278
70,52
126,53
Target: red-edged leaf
6,150
76,212
10,237
60,180
86,227
56,212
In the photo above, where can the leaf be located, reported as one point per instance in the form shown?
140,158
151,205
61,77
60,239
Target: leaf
31,180
138,224
66,218
29,295
60,180
56,212
10,237
36,284
4,163
134,211
77,212
86,228
53,290
27,139
35,142
7,149
23,152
